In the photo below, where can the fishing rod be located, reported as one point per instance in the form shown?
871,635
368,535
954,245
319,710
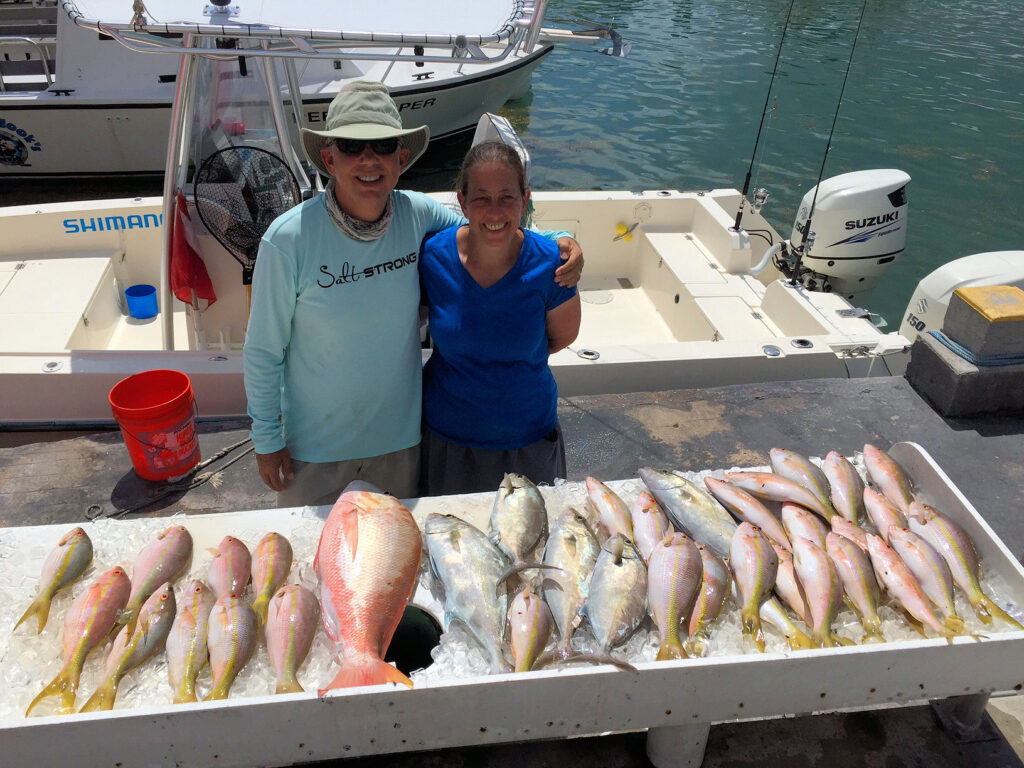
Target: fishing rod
807,239
761,196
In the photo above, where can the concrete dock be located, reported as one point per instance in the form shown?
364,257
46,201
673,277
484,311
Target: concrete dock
611,437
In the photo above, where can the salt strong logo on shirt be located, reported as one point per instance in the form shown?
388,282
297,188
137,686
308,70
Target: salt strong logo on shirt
349,274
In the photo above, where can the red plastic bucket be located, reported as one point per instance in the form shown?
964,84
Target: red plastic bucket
156,413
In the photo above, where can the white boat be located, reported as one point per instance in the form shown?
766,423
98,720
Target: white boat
64,88
675,294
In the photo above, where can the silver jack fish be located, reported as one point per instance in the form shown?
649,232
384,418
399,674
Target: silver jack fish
691,509
617,600
572,551
470,568
519,521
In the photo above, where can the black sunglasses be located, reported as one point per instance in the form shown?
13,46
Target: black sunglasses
356,146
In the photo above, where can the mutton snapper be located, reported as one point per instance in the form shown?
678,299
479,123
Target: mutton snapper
65,563
86,625
127,653
187,642
572,550
674,575
470,567
368,560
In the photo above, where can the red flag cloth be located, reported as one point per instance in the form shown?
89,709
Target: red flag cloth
187,270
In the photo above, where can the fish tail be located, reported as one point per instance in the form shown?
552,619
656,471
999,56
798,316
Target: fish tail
65,685
184,694
290,685
40,608
591,657
260,606
697,643
837,640
872,630
752,627
671,649
516,568
104,696
991,609
371,672
798,641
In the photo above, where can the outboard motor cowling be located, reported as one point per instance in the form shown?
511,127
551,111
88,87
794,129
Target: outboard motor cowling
860,226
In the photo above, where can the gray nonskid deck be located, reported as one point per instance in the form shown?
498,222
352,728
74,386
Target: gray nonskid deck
611,437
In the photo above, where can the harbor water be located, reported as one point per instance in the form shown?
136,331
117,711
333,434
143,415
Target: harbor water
933,89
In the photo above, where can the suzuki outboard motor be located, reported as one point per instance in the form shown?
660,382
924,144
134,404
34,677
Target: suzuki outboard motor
860,228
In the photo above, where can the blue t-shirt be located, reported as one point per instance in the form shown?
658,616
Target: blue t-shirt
487,383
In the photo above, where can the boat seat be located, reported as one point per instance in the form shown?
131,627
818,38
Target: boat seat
44,301
726,301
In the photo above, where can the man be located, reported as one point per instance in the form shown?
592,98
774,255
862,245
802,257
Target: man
332,353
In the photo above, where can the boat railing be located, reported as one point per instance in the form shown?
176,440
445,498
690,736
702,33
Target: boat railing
40,65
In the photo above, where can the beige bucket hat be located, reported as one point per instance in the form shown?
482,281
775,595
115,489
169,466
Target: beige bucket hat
363,109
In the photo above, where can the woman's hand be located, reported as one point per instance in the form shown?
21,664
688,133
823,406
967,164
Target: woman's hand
569,273
275,469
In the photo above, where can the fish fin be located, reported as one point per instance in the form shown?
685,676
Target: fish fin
185,694
797,640
289,686
995,610
350,532
65,685
103,698
374,672
516,568
213,551
915,623
955,625
591,657
260,606
840,641
40,608
696,644
752,628
671,649
872,630
547,584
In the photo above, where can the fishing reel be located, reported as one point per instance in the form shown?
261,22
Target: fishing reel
789,261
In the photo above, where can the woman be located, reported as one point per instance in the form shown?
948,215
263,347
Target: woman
490,403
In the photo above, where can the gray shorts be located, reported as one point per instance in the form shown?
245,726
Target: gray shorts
397,473
450,468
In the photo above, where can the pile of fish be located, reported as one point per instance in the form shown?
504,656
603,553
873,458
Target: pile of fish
775,552
211,623
790,547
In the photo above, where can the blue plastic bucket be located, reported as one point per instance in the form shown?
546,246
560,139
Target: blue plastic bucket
141,301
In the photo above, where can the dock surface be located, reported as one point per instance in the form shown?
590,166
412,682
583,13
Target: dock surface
611,437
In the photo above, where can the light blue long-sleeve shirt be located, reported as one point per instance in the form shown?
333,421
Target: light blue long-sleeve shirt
333,343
